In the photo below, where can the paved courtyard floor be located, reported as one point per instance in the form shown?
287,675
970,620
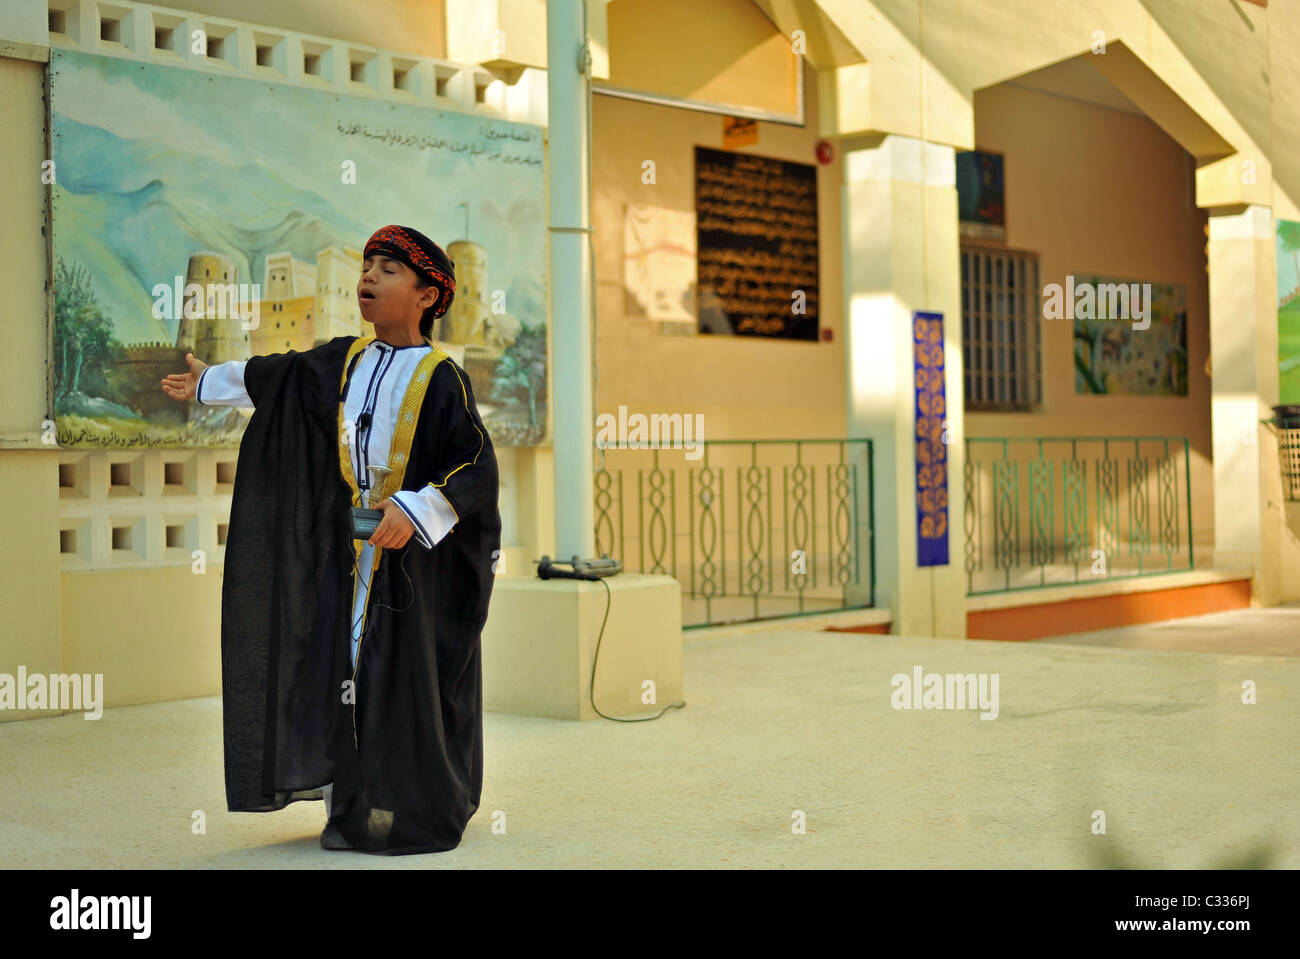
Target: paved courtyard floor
779,725
1267,631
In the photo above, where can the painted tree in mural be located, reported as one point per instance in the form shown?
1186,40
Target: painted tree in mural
1288,232
87,357
521,371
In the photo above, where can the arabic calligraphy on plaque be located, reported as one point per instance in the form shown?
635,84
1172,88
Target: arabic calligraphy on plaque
756,222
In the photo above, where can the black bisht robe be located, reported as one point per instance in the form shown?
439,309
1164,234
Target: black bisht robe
402,740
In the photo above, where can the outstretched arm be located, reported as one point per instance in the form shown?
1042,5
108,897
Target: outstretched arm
183,386
223,385
219,385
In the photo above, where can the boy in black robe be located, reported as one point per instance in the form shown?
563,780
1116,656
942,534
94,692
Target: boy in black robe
380,715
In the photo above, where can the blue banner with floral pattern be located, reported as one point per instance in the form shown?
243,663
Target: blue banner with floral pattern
931,441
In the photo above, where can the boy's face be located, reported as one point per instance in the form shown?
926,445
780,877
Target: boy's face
389,293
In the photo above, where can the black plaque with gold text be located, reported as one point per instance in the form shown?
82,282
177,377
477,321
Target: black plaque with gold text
756,224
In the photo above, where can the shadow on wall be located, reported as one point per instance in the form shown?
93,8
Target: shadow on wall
1293,520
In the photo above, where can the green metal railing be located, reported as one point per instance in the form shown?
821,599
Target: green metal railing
1054,510
753,529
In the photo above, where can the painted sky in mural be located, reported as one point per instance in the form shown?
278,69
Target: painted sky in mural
167,175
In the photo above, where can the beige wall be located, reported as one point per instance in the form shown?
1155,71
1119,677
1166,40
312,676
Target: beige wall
403,26
734,56
23,263
154,634
31,634
1284,118
1094,190
746,388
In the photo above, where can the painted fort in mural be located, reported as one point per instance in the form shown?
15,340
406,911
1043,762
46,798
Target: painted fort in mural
183,223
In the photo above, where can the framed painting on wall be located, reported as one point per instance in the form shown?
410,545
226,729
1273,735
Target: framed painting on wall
981,207
1125,345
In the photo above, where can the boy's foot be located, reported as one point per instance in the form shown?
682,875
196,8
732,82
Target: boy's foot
332,838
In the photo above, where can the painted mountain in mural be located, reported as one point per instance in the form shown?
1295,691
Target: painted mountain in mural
526,299
157,226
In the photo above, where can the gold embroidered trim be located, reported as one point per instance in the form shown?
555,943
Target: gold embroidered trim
407,419
438,486
399,454
345,455
400,449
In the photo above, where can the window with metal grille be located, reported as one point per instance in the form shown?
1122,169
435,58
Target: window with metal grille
1000,315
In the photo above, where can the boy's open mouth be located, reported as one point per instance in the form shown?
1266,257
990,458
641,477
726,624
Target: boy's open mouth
365,295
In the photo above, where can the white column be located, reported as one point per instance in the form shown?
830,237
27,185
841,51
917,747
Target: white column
1248,520
901,255
569,181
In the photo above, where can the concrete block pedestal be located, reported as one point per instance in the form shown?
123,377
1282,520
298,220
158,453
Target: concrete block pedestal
539,645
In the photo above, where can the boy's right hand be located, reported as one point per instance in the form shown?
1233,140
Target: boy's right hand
181,386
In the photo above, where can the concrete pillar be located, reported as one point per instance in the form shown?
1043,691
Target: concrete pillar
901,255
1248,511
569,182
542,638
